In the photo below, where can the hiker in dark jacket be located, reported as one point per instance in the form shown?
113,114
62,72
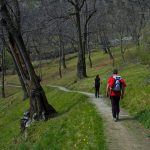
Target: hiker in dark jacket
97,86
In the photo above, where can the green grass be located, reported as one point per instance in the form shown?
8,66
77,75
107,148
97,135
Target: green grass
9,91
137,98
77,126
11,110
134,71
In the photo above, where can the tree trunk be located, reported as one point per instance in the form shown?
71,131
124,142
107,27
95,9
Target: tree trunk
121,48
23,85
106,45
39,107
63,58
60,61
25,93
3,73
111,56
60,73
81,66
90,60
87,47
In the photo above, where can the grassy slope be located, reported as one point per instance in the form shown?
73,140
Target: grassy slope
77,126
137,99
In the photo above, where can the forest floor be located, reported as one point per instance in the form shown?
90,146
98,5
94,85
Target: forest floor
125,134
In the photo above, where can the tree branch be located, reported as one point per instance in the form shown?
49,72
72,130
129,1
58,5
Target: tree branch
70,1
82,4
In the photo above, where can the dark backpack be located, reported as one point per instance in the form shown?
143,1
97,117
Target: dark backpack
97,81
117,86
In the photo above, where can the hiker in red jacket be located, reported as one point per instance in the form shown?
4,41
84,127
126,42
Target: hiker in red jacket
115,90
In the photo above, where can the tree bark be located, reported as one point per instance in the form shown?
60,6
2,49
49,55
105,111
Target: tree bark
63,57
24,88
60,57
81,66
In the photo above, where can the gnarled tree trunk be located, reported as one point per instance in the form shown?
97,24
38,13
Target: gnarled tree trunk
24,88
39,107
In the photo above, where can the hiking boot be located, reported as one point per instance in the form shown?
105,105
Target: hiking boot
117,117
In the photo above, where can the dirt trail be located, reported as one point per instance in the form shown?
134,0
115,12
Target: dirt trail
11,85
126,134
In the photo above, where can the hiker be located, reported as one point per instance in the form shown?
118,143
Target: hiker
97,86
115,90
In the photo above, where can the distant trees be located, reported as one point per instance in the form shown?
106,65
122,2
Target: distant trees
121,24
57,31
83,22
70,24
123,19
104,23
136,20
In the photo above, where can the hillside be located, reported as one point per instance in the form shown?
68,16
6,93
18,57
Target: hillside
136,74
68,129
136,102
55,56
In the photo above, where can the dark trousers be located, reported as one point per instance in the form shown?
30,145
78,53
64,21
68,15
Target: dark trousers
97,91
115,105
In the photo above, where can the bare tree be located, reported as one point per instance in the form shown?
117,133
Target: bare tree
39,106
25,93
81,66
88,15
120,24
136,19
56,14
104,32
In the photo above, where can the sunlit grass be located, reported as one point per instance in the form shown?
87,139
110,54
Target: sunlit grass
135,73
77,125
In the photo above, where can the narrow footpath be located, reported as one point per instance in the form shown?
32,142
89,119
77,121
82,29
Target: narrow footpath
126,134
11,85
